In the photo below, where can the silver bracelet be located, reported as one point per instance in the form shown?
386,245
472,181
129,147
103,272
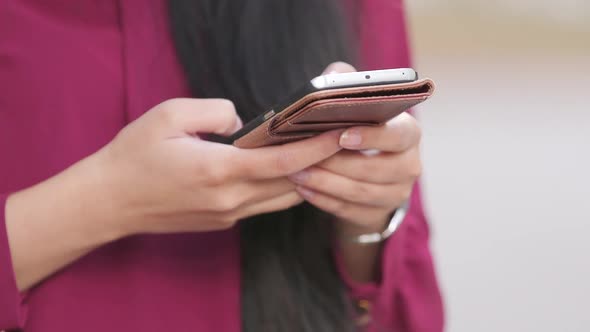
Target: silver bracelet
394,222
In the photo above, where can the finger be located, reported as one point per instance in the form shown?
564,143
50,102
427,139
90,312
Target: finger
344,188
195,116
399,134
283,160
384,168
360,214
338,67
278,203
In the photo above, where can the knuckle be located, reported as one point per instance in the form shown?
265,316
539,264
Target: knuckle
215,174
166,112
226,110
224,203
170,103
234,200
221,205
241,194
226,107
227,221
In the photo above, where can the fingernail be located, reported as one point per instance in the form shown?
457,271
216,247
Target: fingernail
306,193
299,177
330,70
338,67
350,138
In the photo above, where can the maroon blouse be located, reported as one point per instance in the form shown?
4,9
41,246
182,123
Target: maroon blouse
72,74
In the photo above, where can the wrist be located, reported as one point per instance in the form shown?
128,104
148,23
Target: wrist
55,222
78,202
100,200
348,228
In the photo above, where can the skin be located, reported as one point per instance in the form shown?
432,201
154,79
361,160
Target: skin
152,179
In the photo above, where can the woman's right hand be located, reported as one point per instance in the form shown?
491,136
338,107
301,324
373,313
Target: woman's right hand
156,176
161,177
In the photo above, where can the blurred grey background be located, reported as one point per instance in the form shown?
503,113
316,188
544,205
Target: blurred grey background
507,159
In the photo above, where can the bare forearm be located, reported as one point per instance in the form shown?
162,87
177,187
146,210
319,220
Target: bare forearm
55,222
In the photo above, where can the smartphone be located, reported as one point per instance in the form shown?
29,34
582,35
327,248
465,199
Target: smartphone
329,82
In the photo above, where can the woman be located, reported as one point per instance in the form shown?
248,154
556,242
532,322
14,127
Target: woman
117,216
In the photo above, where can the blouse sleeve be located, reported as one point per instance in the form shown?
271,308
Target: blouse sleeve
12,308
407,297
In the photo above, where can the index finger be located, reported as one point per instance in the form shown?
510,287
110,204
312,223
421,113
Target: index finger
284,160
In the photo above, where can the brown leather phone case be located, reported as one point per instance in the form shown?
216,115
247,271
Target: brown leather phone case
336,109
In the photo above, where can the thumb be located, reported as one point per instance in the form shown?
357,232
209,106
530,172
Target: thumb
202,116
338,67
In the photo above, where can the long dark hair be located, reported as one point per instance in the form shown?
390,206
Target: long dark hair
254,52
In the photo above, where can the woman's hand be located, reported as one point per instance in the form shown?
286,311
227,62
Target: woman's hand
363,184
374,174
156,176
363,189
164,178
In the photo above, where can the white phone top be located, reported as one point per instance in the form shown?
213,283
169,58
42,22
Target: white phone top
341,80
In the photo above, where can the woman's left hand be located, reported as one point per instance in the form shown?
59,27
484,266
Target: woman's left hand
361,186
